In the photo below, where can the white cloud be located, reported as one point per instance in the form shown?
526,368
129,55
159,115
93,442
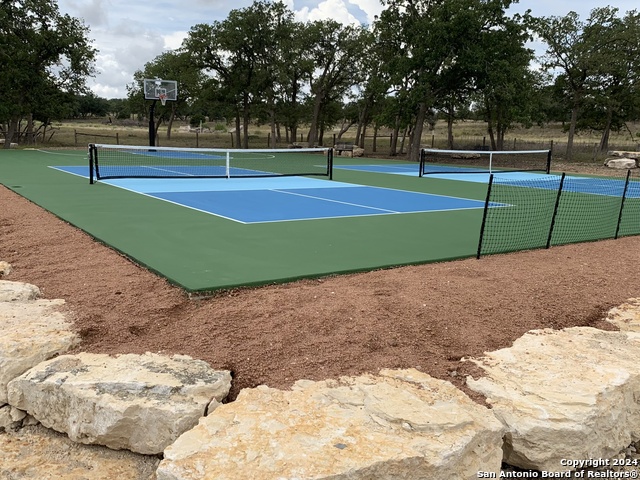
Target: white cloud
372,8
327,10
174,40
94,12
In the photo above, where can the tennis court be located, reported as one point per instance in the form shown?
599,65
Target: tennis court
282,199
215,233
247,227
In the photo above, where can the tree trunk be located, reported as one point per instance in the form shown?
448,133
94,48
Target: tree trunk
492,136
11,131
414,153
450,131
315,120
572,132
238,128
393,149
375,139
30,137
604,140
404,137
245,121
274,130
346,125
171,119
362,122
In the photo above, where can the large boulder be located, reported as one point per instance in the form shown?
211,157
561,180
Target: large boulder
620,163
624,154
137,402
569,394
17,291
626,316
399,424
32,332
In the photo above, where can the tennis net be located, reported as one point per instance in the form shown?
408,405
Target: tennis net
434,161
126,161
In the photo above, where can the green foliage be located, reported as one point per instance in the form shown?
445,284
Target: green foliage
196,120
420,60
597,61
438,52
91,106
45,57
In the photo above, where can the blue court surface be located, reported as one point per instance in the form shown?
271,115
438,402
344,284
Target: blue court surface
610,187
278,199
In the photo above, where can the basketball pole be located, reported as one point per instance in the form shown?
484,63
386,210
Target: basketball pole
152,125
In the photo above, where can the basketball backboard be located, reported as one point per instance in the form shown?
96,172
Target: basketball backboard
158,89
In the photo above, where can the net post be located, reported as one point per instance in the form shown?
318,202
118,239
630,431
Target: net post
94,173
423,156
490,162
227,166
90,155
484,216
548,170
624,196
555,210
330,163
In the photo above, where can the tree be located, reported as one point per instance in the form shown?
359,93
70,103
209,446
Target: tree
425,43
615,87
242,53
91,105
294,68
574,50
336,51
42,53
504,83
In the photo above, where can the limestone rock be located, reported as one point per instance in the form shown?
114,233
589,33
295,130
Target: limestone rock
358,152
37,453
402,424
17,291
31,333
11,417
620,163
626,316
5,269
566,394
617,153
137,402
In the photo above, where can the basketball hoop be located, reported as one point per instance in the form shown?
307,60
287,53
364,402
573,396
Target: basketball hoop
163,98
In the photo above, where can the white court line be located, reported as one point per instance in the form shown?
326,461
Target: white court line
56,153
338,201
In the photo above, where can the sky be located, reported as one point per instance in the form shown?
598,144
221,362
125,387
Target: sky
128,34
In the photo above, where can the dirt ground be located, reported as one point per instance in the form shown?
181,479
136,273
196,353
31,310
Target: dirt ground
429,317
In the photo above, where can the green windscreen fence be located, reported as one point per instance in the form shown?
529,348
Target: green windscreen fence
557,210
